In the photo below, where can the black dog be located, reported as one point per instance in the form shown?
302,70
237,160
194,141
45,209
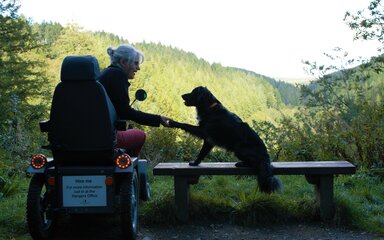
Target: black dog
220,127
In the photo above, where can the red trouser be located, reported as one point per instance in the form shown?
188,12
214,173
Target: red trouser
131,139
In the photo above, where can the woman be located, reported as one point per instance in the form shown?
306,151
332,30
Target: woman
125,62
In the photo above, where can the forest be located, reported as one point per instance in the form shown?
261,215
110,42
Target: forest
338,116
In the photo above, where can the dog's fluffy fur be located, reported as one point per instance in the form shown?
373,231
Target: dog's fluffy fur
220,127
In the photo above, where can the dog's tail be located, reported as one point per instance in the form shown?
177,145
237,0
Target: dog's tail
270,184
267,182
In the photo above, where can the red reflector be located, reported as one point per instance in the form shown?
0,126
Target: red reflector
51,181
38,161
109,181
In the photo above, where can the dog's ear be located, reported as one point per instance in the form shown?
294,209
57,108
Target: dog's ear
199,95
206,98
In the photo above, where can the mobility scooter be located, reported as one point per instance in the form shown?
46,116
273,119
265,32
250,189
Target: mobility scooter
86,173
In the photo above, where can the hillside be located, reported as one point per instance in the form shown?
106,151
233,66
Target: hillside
169,72
366,77
290,93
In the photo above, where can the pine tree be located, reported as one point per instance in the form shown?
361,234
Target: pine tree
22,89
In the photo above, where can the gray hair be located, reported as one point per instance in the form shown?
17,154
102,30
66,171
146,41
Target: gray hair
125,52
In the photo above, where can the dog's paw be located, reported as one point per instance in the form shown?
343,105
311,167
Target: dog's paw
172,124
194,163
242,164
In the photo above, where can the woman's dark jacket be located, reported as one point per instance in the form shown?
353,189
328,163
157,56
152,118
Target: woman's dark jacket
115,82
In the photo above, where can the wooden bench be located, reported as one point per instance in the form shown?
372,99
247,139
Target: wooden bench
320,174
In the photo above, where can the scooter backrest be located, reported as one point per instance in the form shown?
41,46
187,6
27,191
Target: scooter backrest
79,68
82,116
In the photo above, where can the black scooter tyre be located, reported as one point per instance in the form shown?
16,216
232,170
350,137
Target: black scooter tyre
40,224
129,209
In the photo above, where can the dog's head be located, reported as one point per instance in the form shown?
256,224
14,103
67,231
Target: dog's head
200,97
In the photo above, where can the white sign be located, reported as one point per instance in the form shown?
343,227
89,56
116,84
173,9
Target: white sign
84,191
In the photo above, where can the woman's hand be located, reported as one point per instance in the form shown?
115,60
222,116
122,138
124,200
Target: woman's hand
165,121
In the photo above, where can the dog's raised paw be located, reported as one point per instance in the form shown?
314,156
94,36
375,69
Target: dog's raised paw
194,163
171,123
174,124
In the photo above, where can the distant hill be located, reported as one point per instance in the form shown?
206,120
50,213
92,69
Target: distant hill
290,94
367,77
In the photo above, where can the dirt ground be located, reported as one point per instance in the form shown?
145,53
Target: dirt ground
233,232
100,228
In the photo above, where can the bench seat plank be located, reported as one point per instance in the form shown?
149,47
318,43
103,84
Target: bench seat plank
279,168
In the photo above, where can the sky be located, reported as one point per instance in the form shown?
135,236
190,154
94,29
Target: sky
267,37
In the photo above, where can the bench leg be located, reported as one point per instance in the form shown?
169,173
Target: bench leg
324,193
181,198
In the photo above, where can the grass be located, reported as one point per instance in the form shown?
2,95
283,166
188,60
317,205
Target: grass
238,200
12,207
360,198
359,201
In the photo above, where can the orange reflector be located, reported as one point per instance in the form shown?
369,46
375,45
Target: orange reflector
38,161
109,181
51,181
123,161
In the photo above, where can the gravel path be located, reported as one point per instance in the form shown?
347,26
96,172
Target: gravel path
227,231
105,228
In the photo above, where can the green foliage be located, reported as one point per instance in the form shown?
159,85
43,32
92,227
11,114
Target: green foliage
160,208
368,26
23,92
289,93
11,180
359,202
12,217
10,184
343,113
48,32
13,188
342,117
